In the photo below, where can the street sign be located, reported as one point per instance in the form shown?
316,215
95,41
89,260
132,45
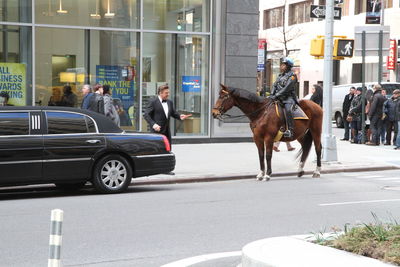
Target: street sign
371,40
344,48
261,54
391,59
318,12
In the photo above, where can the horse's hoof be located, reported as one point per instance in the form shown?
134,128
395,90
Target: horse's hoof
316,175
301,173
266,178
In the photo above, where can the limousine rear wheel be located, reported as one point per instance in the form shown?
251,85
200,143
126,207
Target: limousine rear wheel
112,174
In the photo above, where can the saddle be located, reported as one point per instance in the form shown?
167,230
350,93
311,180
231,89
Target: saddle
297,112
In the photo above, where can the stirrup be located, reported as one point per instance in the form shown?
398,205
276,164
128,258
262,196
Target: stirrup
288,134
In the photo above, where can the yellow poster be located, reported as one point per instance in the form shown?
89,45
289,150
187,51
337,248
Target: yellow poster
13,81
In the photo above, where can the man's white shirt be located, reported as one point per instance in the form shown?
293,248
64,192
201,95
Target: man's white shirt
165,106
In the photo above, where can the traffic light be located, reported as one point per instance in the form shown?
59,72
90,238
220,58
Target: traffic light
343,48
317,47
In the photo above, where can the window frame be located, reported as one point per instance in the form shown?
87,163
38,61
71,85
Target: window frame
28,120
85,118
268,14
299,12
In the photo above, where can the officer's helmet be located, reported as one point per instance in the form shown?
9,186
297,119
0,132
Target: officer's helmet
288,61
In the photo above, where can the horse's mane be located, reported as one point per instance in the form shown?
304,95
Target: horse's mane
242,93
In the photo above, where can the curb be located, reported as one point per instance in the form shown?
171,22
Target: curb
204,179
293,251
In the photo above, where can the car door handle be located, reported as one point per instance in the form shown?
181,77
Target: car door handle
93,141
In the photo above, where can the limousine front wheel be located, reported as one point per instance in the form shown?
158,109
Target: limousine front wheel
112,174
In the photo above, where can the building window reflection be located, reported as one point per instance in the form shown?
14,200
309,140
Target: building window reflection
95,13
99,42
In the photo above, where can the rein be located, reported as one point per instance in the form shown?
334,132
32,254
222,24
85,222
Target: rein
227,116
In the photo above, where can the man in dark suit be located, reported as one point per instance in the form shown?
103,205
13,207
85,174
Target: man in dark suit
345,109
159,110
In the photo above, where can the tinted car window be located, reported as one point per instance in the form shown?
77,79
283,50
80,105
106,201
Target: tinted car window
14,123
390,88
65,123
90,125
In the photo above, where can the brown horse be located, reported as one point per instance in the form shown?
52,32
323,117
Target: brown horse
265,124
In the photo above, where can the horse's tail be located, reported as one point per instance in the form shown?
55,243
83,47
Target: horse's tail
305,147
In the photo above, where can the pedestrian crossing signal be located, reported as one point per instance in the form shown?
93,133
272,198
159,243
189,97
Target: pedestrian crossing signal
317,47
343,48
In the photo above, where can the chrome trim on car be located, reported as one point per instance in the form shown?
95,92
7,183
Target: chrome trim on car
73,159
35,122
42,161
21,135
154,156
20,162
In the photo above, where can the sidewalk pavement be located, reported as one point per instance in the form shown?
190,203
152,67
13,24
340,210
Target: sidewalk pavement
227,161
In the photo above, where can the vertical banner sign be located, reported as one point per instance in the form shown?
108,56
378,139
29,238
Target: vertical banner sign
191,84
391,60
122,88
13,81
373,15
261,52
398,51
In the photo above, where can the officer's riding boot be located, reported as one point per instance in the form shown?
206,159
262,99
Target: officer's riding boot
289,121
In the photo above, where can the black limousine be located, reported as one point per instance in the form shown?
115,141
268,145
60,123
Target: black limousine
69,146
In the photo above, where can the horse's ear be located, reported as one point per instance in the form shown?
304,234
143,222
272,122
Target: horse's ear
224,89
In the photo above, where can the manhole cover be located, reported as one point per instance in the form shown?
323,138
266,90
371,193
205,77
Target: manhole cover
395,188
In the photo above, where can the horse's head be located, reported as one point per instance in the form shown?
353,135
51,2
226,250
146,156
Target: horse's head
224,102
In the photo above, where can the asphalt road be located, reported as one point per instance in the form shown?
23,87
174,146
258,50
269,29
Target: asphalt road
155,225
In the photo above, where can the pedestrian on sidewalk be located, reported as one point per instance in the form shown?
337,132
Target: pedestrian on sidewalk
375,114
317,94
384,119
159,111
397,118
345,109
91,100
109,109
390,110
354,115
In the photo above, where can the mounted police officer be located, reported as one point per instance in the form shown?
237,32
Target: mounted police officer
284,91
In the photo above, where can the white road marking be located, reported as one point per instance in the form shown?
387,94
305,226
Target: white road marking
371,176
359,202
201,258
388,178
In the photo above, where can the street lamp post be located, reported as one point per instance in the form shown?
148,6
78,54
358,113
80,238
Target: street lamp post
329,151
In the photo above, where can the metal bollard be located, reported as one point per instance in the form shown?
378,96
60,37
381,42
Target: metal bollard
55,242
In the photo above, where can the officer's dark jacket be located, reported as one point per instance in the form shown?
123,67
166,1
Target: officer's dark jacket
284,86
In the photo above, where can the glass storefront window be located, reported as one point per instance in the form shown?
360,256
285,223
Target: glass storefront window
15,11
181,61
95,13
176,15
15,65
76,57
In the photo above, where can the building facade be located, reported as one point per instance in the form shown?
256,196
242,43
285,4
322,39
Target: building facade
292,19
133,46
